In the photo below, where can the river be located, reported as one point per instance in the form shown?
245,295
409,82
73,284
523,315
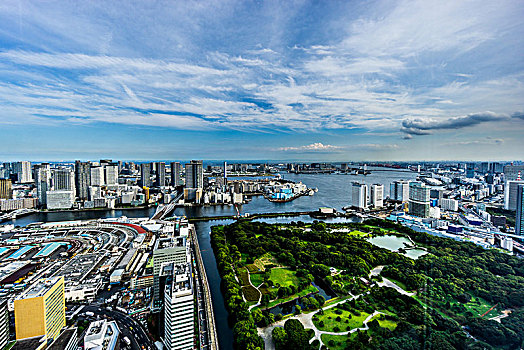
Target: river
333,191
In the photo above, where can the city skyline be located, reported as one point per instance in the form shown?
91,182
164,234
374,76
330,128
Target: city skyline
303,81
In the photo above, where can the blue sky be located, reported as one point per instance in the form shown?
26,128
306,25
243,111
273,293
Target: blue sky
282,80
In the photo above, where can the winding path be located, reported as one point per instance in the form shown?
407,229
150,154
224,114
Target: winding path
307,319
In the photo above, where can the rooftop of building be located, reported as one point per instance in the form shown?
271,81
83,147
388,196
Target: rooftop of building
38,289
171,242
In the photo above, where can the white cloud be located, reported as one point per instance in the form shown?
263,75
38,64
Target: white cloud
314,147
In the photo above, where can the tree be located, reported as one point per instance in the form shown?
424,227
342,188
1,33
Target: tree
279,338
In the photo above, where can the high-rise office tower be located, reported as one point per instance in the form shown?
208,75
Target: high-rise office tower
160,180
145,175
23,170
194,181
179,328
97,176
40,310
42,181
166,251
63,179
470,170
195,174
4,323
82,179
176,174
511,194
6,190
359,195
519,223
377,195
399,190
419,199
111,174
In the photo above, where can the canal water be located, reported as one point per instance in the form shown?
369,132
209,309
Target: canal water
333,191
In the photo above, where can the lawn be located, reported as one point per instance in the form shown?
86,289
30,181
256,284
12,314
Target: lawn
478,308
257,279
284,277
339,341
329,320
358,233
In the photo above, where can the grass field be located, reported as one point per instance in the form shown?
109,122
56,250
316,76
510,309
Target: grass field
329,320
479,309
339,341
284,277
257,279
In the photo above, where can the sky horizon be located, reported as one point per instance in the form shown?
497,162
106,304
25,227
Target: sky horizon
295,80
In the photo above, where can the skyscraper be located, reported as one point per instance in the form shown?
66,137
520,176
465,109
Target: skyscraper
399,190
377,195
176,170
97,176
194,181
82,179
63,179
111,173
519,223
195,174
179,310
6,190
359,195
145,175
511,194
42,181
419,199
160,180
40,310
23,170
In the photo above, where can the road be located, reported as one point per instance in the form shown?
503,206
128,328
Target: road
128,326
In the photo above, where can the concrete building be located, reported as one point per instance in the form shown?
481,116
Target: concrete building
510,194
82,179
176,174
166,251
377,195
145,175
506,243
160,180
6,189
42,181
399,190
111,174
519,222
419,199
195,174
102,335
179,329
63,179
449,204
23,171
40,310
359,195
4,323
60,199
97,176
